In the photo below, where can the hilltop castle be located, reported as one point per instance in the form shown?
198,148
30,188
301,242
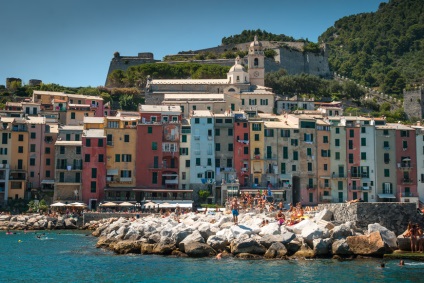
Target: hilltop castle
288,55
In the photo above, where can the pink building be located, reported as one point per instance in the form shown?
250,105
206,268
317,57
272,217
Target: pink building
353,158
94,167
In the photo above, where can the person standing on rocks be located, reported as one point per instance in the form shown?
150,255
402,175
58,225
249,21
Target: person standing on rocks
234,209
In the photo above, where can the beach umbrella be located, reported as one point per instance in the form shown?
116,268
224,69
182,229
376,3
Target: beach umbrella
126,204
165,204
150,205
109,204
77,204
58,204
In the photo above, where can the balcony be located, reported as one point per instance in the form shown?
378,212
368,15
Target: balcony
407,181
271,156
338,176
210,138
311,187
171,182
386,148
326,198
17,176
109,143
69,181
404,165
409,195
325,186
125,180
386,161
355,175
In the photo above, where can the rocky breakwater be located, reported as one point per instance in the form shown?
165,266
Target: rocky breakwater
199,235
36,222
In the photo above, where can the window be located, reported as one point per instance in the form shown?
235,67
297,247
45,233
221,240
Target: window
47,150
363,142
325,153
48,174
363,130
48,162
100,142
256,127
256,137
337,130
219,121
199,175
230,132
32,148
184,138
68,137
337,142
184,151
125,173
20,138
404,133
31,174
283,168
113,124
385,132
126,157
126,138
325,139
62,150
246,150
32,161
308,138
294,142
295,155
386,145
33,135
20,149
198,161
209,120
117,158
386,172
230,162
78,150
230,147
285,152
404,145
386,158
101,158
269,132
187,164
4,138
209,133
285,133
326,167
350,144
93,172
257,151
87,142
217,147
351,158
93,186
363,156
209,163
196,121
87,158
309,166
77,137
149,130
337,155
309,151
294,168
351,133
217,132
154,145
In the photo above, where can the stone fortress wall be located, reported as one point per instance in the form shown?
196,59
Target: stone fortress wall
413,102
290,56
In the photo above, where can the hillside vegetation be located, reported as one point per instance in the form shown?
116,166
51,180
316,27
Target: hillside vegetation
383,49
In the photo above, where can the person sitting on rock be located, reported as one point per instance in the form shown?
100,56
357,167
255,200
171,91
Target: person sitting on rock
280,217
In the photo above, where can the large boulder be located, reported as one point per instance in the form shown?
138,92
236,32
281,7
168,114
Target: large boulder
194,237
205,230
195,249
341,232
297,228
313,231
154,238
276,250
305,252
226,233
180,235
340,247
247,245
293,246
322,247
324,214
237,231
125,247
163,248
217,242
388,236
147,248
370,245
270,229
70,223
5,217
268,240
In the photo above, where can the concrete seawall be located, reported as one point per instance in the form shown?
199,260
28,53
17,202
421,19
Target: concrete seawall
392,215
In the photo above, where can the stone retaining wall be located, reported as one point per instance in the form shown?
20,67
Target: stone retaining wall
392,215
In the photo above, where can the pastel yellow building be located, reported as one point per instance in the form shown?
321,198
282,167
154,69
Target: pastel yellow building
257,151
19,161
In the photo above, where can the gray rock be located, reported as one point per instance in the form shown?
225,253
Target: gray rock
324,214
270,229
240,230
313,231
195,249
247,246
341,232
293,246
70,223
205,230
276,250
180,235
217,242
322,247
340,247
388,236
154,238
194,237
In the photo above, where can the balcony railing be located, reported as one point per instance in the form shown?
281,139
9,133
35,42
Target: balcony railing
404,165
338,176
109,143
358,188
171,182
407,181
409,195
309,187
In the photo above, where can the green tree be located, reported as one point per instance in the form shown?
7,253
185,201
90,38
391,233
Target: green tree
203,195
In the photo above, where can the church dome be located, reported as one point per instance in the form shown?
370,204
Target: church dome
255,42
237,67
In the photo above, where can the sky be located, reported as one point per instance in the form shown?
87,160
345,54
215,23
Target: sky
71,42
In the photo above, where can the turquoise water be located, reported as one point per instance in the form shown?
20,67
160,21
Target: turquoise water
72,257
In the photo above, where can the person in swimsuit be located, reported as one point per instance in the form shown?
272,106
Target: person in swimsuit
234,209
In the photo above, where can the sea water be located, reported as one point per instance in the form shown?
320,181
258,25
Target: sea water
72,257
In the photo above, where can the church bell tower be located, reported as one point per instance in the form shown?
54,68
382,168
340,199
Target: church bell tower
256,60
